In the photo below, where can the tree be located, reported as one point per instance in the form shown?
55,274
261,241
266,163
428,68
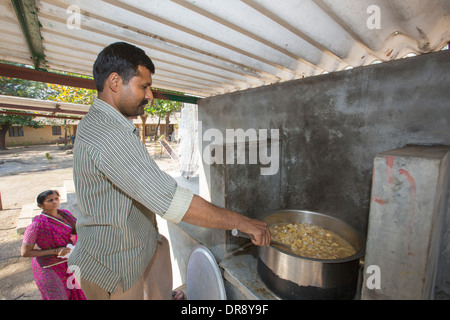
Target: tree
7,121
162,109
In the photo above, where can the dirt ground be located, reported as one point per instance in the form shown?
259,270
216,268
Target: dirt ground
24,173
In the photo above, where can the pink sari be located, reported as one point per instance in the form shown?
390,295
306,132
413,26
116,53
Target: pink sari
51,274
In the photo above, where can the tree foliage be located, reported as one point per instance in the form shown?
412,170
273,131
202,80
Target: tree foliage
162,109
25,88
6,120
70,94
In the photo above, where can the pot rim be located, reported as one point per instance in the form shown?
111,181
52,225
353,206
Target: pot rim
357,255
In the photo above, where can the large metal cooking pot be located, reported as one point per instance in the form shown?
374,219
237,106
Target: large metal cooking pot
293,277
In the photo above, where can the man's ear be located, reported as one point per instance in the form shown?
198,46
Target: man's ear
114,81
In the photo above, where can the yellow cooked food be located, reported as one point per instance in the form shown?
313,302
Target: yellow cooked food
311,241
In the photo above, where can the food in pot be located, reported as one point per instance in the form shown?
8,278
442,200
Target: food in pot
311,241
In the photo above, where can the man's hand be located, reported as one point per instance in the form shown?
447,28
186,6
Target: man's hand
258,230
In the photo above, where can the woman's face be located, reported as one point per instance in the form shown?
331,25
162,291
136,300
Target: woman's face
51,202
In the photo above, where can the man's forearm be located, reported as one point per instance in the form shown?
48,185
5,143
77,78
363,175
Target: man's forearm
205,214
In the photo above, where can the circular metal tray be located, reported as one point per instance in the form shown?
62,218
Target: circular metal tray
203,277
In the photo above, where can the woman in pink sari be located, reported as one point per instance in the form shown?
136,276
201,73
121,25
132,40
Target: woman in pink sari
51,232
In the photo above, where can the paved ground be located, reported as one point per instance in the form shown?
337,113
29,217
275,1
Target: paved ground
24,173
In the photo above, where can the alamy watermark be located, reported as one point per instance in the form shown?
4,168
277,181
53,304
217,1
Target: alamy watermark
259,150
74,280
374,20
231,148
374,280
74,19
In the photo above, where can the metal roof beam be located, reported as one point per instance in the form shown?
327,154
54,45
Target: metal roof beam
38,109
26,13
39,115
175,97
12,71
8,70
18,103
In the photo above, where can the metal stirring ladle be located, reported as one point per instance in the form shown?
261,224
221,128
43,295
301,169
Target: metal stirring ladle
237,233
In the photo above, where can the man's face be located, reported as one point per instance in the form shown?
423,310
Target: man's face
136,94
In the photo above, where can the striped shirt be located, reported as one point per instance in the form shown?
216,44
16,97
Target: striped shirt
119,190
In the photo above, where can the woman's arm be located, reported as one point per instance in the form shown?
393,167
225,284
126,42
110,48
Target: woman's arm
29,251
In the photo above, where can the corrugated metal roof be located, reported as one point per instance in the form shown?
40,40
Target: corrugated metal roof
210,47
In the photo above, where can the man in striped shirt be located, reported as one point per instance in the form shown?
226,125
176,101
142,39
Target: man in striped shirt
119,253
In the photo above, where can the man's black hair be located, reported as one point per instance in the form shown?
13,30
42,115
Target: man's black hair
120,57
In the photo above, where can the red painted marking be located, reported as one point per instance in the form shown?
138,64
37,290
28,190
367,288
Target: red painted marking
378,200
412,182
390,164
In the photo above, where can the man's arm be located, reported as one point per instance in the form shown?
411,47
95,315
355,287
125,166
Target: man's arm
128,165
205,214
